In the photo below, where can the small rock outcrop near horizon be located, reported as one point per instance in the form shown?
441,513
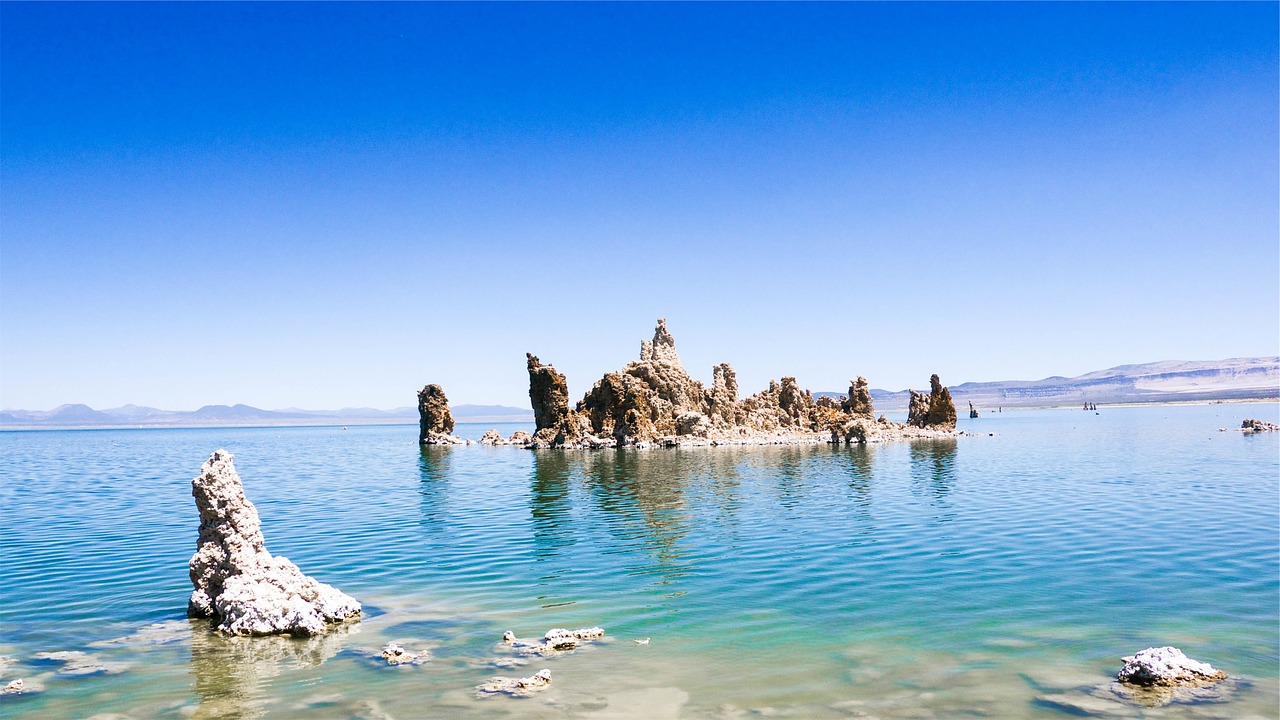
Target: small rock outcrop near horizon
1167,667
1254,426
653,400
238,583
435,422
973,411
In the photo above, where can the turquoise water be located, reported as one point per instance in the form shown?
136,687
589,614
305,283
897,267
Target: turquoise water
992,576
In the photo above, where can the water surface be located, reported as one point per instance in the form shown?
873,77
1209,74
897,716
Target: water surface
992,576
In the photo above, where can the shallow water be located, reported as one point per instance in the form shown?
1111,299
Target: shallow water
993,576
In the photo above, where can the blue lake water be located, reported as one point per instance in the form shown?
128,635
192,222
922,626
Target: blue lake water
990,576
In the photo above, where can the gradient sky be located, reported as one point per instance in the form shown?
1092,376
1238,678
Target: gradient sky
326,206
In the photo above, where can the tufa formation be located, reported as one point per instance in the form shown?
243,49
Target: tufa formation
237,582
935,410
654,400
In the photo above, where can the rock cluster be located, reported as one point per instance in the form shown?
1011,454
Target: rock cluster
555,641
237,582
1252,425
435,422
935,410
653,400
1167,667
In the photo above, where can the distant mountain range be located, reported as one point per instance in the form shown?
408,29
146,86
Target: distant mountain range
1169,381
68,416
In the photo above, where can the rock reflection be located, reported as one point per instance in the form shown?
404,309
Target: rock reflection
232,673
933,468
550,505
643,494
435,463
789,469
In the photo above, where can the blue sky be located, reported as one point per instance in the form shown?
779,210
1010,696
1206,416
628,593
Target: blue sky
332,205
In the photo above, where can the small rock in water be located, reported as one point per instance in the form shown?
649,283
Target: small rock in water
396,655
556,640
643,641
518,687
1252,426
1167,666
14,687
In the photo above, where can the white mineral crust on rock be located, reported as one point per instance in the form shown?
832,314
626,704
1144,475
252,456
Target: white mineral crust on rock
518,687
237,582
1167,666
555,641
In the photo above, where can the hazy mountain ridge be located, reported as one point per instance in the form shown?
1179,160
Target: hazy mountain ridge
230,415
1165,381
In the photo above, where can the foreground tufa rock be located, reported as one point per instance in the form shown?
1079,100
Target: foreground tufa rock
1167,667
237,582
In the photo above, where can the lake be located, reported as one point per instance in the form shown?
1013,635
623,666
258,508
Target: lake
997,575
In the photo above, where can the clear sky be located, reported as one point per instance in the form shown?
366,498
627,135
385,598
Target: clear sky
326,206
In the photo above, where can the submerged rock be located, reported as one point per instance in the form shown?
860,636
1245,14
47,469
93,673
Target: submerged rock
1168,667
237,581
556,640
396,655
518,687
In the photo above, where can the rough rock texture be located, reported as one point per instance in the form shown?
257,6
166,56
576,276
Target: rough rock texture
555,641
492,437
859,401
433,413
1169,667
654,401
1258,426
556,425
935,410
518,687
237,582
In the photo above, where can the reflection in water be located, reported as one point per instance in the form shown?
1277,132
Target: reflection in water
857,461
642,493
790,462
933,467
232,672
435,462
549,502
